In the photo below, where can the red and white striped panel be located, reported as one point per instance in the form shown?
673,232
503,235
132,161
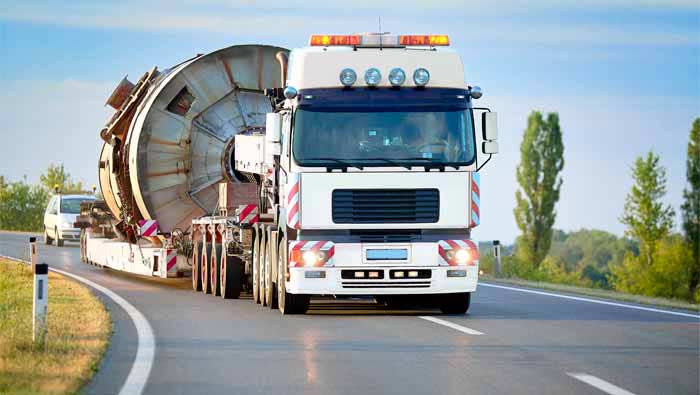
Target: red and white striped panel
326,247
248,214
475,199
171,261
148,227
448,245
293,201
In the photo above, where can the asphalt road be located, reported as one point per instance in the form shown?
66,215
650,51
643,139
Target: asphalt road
529,343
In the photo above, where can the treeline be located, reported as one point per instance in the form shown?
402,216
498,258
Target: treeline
650,260
22,204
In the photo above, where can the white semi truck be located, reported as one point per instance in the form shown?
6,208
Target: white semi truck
348,167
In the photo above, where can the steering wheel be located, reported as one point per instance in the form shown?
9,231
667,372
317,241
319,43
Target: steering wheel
434,143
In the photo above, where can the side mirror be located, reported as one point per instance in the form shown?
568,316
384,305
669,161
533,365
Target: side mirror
489,147
489,126
273,132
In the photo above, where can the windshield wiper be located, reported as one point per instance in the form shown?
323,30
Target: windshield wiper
343,164
433,165
391,162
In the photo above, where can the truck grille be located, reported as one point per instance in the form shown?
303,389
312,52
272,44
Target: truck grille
382,206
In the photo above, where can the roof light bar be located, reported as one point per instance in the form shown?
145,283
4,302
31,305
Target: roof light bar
425,40
330,40
379,40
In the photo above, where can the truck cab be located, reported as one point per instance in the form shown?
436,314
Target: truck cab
379,189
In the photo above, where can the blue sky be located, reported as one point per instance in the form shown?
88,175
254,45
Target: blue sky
624,76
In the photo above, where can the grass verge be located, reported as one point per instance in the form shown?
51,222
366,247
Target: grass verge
78,333
598,293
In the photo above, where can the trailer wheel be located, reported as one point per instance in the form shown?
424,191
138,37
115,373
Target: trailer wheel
457,303
270,296
256,263
47,239
261,265
288,303
196,274
204,265
214,275
231,276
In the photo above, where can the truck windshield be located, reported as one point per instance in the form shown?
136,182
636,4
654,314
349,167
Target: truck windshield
383,138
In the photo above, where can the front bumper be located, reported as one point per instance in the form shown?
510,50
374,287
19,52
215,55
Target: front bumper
334,284
69,234
338,275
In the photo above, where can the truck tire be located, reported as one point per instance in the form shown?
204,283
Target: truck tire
59,241
256,263
231,276
47,239
457,303
288,303
204,267
261,265
196,273
214,275
270,297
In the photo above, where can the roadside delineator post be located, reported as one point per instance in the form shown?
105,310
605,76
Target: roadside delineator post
41,294
496,258
32,251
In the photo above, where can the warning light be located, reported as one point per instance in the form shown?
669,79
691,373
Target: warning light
329,40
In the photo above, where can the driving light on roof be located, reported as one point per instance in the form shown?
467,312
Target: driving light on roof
432,40
325,40
421,77
348,77
373,76
397,77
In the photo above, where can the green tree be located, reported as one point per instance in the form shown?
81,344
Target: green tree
22,206
57,176
648,220
691,208
541,162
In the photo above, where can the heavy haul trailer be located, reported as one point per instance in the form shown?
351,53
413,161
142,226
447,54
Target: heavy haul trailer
353,174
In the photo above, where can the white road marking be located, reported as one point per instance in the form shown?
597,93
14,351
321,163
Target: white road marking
580,299
600,384
145,351
449,324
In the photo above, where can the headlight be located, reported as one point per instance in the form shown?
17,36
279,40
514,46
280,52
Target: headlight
348,77
397,77
312,258
463,256
421,77
373,76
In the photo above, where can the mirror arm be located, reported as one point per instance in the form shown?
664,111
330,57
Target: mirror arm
484,164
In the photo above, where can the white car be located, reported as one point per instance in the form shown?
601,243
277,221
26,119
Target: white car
60,216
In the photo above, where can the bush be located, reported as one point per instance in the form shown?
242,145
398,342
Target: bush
22,206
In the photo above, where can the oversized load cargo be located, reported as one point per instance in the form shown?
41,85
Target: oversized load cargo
171,140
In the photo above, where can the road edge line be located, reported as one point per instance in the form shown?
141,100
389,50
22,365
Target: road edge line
145,351
597,301
451,325
596,382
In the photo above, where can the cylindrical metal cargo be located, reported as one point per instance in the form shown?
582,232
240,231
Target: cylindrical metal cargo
171,141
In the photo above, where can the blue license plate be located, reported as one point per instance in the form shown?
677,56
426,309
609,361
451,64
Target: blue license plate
393,254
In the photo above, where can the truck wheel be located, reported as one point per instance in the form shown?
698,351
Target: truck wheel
261,265
214,275
196,274
204,267
47,239
270,296
231,276
256,263
288,303
455,303
59,241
